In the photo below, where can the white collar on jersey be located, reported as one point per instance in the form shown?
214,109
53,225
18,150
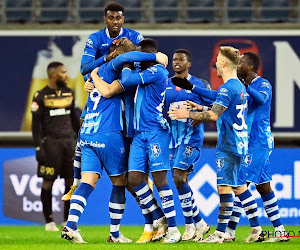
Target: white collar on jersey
188,77
255,79
107,33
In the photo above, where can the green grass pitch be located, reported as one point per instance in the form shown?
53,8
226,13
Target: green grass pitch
35,237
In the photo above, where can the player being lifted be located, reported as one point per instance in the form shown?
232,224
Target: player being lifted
229,110
261,143
96,53
185,145
149,149
101,126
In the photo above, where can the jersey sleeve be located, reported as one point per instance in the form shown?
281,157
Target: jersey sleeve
136,37
133,56
88,62
223,96
147,76
37,112
262,94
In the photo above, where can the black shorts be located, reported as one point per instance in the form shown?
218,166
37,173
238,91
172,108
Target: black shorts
59,154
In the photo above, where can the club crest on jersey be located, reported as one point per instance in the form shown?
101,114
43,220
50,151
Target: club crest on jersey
188,151
220,164
248,159
156,150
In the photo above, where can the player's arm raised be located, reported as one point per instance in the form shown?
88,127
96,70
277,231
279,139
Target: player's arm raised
106,90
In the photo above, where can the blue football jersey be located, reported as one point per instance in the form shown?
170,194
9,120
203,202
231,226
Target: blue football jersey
181,130
150,96
105,114
231,125
259,127
98,43
128,112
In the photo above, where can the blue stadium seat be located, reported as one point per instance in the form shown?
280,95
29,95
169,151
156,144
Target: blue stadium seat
196,15
236,15
168,12
22,15
280,15
89,10
58,12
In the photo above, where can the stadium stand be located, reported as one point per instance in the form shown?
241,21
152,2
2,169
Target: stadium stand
200,11
17,10
152,11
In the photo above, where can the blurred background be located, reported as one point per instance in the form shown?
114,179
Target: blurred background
34,33
151,11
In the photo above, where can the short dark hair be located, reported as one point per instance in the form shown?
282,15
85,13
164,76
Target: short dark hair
148,44
53,65
113,7
254,60
186,52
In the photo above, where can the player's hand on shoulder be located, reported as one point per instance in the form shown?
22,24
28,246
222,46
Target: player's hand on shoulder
182,83
162,59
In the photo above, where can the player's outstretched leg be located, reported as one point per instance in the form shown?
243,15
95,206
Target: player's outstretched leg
78,203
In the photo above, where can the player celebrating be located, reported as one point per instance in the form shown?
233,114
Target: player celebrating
229,110
102,125
185,145
96,53
261,143
148,151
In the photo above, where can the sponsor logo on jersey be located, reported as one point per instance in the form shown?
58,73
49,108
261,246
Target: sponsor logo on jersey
34,106
57,112
95,144
90,124
91,115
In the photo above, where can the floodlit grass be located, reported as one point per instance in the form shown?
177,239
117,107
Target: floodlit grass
35,237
